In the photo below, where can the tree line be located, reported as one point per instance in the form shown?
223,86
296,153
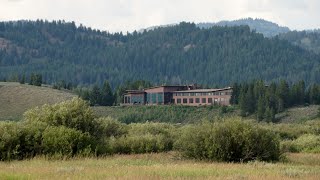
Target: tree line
218,55
105,96
266,100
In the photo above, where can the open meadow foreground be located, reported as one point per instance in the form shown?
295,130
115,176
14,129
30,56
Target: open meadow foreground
160,166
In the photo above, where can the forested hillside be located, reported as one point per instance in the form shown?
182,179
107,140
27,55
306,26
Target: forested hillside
170,55
309,40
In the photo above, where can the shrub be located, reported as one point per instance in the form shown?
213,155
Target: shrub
108,127
10,135
308,143
75,113
66,142
18,141
232,140
145,138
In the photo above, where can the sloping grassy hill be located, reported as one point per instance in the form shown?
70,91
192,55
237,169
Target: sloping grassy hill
299,114
15,98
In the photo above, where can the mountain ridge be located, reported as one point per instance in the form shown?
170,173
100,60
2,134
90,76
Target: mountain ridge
218,56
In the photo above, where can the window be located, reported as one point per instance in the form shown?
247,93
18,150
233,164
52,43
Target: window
160,98
192,94
222,93
210,100
197,100
137,99
154,98
204,100
149,98
185,100
198,94
191,100
178,101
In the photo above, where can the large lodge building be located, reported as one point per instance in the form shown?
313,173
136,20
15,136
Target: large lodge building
183,95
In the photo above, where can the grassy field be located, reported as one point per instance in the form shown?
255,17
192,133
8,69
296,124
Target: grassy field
171,114
160,166
185,114
299,114
15,98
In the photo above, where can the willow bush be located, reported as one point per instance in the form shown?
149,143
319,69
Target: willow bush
232,140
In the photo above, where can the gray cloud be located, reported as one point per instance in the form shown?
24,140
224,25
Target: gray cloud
128,15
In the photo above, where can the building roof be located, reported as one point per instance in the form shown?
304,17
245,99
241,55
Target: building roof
134,92
202,90
168,86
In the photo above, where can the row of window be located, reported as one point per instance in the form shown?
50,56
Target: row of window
155,98
203,94
197,100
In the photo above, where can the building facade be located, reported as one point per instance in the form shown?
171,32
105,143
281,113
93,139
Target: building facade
183,95
200,97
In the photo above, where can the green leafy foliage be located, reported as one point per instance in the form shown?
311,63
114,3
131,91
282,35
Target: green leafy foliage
145,138
73,114
233,141
65,142
308,143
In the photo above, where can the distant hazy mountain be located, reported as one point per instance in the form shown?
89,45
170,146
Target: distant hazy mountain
267,28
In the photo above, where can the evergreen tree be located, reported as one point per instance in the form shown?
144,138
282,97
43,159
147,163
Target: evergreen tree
95,96
23,79
32,79
235,94
107,95
269,114
261,108
283,93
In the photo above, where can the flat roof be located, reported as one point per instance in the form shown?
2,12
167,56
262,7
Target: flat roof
202,90
167,86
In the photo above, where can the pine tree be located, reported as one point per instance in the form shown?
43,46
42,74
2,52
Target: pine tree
269,114
23,79
283,95
95,95
235,94
32,79
107,95
261,108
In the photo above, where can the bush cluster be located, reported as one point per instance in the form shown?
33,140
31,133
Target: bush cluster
70,129
308,143
145,138
229,140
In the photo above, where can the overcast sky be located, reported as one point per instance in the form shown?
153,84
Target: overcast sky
129,15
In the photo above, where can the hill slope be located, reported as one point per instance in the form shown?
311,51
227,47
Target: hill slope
309,40
15,99
170,55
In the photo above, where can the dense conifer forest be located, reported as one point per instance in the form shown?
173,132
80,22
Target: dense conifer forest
181,54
